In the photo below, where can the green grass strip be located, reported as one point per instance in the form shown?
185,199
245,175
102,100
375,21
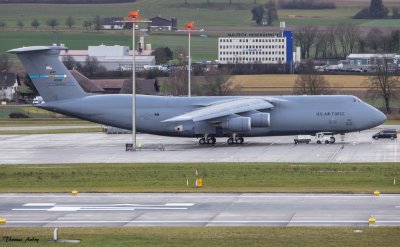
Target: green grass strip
217,177
49,131
208,236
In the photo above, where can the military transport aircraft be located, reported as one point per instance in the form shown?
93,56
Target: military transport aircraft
207,118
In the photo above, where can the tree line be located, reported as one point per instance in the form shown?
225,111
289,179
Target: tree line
53,23
67,1
338,41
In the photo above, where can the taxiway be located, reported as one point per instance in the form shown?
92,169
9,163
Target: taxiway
100,147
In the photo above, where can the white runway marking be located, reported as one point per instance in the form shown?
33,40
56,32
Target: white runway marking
39,204
201,221
53,207
208,196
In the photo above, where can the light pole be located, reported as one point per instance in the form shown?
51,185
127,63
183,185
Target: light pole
189,28
133,18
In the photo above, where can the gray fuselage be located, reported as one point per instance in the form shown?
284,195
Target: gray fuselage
291,115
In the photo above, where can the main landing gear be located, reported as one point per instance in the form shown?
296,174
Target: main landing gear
235,140
208,140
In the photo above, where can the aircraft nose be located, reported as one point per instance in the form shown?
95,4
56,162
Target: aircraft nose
380,118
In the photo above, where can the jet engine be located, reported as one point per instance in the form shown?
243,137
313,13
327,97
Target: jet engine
260,120
238,124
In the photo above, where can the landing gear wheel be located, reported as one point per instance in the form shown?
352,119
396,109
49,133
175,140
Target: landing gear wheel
202,141
230,141
211,140
239,140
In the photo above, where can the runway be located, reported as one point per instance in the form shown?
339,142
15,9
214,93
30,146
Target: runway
100,147
198,209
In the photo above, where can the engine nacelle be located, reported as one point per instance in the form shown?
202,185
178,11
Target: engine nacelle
260,120
238,124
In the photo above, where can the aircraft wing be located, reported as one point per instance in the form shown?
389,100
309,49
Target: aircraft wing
222,109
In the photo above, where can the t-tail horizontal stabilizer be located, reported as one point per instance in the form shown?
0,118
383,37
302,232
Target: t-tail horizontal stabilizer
49,75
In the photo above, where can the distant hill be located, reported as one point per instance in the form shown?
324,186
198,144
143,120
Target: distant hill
67,1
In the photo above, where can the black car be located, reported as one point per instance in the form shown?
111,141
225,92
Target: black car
386,133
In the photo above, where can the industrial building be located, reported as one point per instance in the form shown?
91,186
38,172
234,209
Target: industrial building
114,58
262,48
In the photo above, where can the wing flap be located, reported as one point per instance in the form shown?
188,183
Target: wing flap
223,109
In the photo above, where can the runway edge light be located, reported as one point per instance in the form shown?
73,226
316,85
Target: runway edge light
376,193
371,221
3,221
74,192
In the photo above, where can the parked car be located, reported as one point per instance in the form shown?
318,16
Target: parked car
386,133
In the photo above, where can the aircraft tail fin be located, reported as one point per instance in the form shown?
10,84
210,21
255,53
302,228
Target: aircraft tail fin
49,75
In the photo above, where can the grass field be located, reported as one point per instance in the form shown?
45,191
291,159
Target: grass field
202,48
209,236
350,82
215,20
217,177
212,236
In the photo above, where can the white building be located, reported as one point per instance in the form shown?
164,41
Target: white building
113,57
264,48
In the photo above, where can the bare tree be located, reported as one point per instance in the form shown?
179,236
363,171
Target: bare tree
331,31
218,83
384,83
177,83
322,44
348,35
305,38
310,82
5,63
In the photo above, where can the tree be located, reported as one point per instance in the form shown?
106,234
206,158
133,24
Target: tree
309,81
92,66
395,13
162,55
20,24
52,23
180,54
305,37
2,25
69,22
218,83
272,13
70,62
258,14
377,10
383,83
177,83
88,24
5,63
35,24
97,23
348,35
